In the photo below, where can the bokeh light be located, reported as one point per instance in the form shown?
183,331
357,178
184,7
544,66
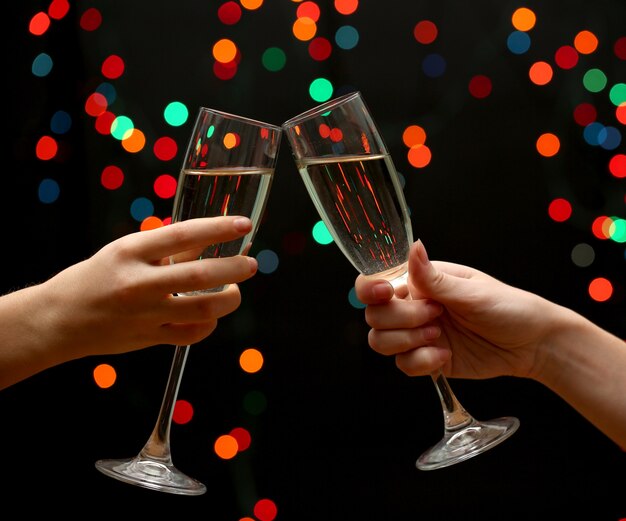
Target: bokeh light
586,42
480,86
165,186
176,113
39,24
113,67
425,32
42,65
91,19
47,148
183,412
347,37
321,235
265,509
251,360
594,80
560,209
165,148
345,7
600,289
274,59
566,57
226,446
540,73
523,19
518,42
134,141
229,13
304,29
49,191
224,50
321,89
243,438
111,177
268,261
548,144
583,255
255,403
104,375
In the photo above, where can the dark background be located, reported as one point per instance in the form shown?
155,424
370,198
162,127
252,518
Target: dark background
343,427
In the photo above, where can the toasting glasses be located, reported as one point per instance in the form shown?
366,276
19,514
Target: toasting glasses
353,183
228,170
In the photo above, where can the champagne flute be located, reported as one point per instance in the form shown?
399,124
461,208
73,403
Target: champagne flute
228,169
355,188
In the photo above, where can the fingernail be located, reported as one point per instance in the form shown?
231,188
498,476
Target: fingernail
431,332
242,224
382,290
254,265
421,253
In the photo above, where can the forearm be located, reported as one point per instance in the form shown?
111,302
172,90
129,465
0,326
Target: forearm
586,366
25,345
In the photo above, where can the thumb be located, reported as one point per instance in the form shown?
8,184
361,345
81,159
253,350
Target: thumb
427,281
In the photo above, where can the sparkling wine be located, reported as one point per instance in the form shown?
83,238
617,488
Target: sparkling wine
224,191
361,201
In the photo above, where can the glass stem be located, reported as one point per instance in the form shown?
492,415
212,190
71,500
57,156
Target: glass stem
454,415
158,445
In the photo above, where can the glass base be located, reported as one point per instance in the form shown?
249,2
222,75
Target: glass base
465,443
151,474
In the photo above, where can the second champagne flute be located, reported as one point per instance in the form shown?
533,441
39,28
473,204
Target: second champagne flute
228,169
351,178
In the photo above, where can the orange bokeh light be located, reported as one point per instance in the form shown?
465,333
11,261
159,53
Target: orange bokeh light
548,144
104,375
585,42
600,289
540,73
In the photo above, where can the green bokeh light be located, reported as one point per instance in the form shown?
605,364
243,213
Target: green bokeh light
176,113
617,230
321,234
321,90
617,94
121,127
274,59
255,402
594,80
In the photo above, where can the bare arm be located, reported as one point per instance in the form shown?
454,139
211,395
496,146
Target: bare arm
121,299
474,326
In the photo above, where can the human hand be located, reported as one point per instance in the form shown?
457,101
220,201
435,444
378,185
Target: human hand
459,319
122,298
